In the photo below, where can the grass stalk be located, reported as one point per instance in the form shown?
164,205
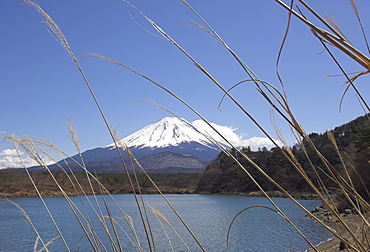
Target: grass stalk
16,144
273,97
38,237
343,45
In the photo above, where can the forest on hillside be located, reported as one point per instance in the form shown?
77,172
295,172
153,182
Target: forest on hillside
16,183
346,148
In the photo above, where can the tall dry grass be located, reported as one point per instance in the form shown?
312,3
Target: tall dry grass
330,36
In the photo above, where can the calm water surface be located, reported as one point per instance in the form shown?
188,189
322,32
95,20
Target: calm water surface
208,216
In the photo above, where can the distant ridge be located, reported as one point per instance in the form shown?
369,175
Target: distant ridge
168,145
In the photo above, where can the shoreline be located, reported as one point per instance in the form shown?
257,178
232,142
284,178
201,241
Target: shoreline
352,220
168,190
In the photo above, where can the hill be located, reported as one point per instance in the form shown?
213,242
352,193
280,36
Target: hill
222,175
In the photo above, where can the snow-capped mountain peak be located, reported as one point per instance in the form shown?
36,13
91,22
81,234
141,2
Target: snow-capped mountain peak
169,131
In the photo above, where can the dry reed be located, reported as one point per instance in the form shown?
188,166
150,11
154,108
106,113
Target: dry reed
273,96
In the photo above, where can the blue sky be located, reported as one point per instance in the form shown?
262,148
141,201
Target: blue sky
41,87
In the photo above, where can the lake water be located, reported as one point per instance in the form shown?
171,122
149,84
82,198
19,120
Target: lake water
208,216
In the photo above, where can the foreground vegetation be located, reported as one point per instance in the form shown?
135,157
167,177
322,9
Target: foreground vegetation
325,175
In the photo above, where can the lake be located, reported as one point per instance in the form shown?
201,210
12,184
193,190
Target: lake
208,216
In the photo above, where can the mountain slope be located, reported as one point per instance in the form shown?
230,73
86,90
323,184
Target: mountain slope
168,145
169,162
169,134
169,131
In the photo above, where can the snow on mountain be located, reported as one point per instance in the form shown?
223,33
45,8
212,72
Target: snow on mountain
169,131
168,145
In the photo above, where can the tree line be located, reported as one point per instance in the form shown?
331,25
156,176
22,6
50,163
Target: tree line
346,147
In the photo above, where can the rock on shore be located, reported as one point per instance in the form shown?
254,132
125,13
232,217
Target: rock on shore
352,220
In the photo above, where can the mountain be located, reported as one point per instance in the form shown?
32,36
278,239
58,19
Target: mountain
168,145
170,131
170,134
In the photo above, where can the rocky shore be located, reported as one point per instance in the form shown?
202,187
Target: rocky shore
352,220
279,194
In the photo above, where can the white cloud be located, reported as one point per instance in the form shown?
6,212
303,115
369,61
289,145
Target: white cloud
9,159
9,152
230,134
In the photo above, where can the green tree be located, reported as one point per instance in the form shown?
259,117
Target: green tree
361,139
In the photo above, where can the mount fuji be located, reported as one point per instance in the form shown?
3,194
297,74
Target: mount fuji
170,134
168,145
